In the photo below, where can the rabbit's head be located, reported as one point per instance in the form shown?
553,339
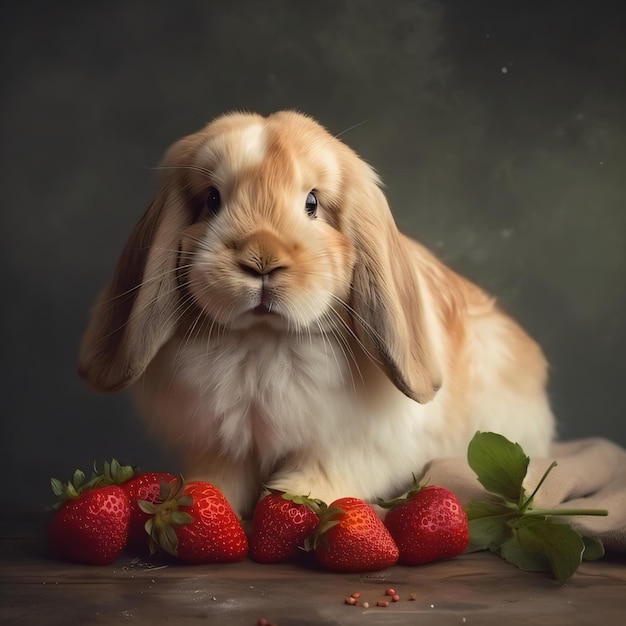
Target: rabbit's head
263,221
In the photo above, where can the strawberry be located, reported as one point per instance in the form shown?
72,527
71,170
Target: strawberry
352,538
195,523
92,517
91,524
427,524
145,486
280,525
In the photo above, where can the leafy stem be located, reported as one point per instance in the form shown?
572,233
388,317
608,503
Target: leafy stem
532,539
529,500
565,512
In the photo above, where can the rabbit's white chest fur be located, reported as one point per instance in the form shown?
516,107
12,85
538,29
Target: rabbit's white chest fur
252,392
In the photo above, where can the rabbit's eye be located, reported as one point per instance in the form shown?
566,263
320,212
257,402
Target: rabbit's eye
311,204
213,200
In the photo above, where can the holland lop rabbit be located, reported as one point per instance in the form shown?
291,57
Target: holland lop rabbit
279,330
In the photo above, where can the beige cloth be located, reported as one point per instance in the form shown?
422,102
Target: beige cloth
591,474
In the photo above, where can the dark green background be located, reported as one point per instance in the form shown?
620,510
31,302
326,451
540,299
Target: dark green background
498,128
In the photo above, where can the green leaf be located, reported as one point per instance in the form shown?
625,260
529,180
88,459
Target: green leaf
477,509
499,464
317,506
593,549
185,500
117,473
150,528
58,488
391,504
488,524
416,487
528,558
180,518
148,507
540,545
168,540
486,534
78,479
171,490
115,467
71,491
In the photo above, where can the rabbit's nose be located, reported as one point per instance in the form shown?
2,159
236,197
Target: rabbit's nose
263,254
259,267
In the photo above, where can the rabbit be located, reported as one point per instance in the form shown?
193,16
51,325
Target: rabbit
280,332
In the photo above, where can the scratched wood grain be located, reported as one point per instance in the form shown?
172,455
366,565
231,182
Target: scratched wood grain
36,589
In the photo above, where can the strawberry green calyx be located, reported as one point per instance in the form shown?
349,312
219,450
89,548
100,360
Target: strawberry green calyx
166,516
70,490
329,516
396,502
533,539
317,506
114,474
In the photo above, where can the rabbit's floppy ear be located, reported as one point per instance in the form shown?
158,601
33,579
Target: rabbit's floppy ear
136,313
387,301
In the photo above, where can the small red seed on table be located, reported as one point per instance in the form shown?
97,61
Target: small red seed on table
350,600
382,603
356,594
395,597
390,592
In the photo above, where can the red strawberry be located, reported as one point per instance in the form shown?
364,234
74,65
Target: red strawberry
91,527
428,524
280,525
146,486
352,538
195,523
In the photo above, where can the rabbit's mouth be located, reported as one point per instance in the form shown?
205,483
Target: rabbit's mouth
263,309
267,299
267,306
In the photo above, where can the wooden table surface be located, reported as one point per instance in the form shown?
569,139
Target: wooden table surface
472,589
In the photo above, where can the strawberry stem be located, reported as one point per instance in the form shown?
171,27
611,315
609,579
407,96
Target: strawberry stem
529,500
525,506
555,512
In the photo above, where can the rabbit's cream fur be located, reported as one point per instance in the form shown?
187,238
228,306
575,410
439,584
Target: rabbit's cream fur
313,349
